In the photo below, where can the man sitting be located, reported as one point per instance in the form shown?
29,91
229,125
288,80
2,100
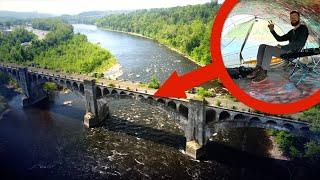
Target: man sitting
297,38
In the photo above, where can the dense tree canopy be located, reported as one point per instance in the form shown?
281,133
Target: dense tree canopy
61,49
185,28
11,48
75,55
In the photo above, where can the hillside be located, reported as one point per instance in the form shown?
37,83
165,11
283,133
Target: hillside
186,28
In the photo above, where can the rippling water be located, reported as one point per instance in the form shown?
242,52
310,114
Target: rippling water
137,142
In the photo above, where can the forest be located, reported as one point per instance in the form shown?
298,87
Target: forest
186,28
61,49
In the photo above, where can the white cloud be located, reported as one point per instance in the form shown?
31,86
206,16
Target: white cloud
77,6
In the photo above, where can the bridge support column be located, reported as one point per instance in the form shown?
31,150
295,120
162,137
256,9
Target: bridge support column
195,132
95,113
33,92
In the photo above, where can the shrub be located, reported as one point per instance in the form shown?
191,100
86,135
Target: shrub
312,150
154,83
50,86
204,93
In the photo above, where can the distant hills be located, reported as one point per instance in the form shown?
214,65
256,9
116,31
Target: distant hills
84,17
89,17
23,15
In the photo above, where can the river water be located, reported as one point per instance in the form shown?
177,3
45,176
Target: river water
138,141
139,57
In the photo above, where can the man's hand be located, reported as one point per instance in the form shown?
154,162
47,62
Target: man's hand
271,25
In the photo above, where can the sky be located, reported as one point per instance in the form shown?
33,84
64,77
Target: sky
59,7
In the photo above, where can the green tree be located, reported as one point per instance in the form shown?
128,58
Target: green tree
154,83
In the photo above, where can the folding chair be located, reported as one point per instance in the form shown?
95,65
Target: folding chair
305,69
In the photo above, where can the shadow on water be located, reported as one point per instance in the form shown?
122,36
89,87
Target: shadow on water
169,139
7,92
259,167
235,158
245,164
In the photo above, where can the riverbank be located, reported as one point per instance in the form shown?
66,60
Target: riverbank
114,72
275,151
165,45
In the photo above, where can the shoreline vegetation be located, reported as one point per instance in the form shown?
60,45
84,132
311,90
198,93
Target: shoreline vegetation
61,49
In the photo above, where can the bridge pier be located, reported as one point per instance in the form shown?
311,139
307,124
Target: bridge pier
195,131
33,92
96,112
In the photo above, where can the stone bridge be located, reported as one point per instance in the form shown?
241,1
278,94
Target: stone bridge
198,120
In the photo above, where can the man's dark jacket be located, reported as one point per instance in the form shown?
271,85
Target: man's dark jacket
297,38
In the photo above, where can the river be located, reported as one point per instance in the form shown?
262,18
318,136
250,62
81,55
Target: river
138,141
140,58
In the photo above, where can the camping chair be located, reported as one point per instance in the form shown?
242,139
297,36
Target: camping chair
305,69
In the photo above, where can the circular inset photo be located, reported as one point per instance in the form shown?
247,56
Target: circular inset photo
271,49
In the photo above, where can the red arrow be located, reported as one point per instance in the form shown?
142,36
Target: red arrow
176,86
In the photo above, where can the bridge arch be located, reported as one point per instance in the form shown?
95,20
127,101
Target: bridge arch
210,115
224,116
39,77
15,73
106,91
29,76
140,97
123,93
183,110
75,86
114,91
239,117
62,82
255,120
271,122
150,98
172,105
98,92
34,78
161,101
81,88
288,126
68,83
303,131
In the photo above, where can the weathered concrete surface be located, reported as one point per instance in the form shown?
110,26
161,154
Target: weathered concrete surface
195,132
33,92
194,150
96,112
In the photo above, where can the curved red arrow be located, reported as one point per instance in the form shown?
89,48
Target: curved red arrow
176,86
